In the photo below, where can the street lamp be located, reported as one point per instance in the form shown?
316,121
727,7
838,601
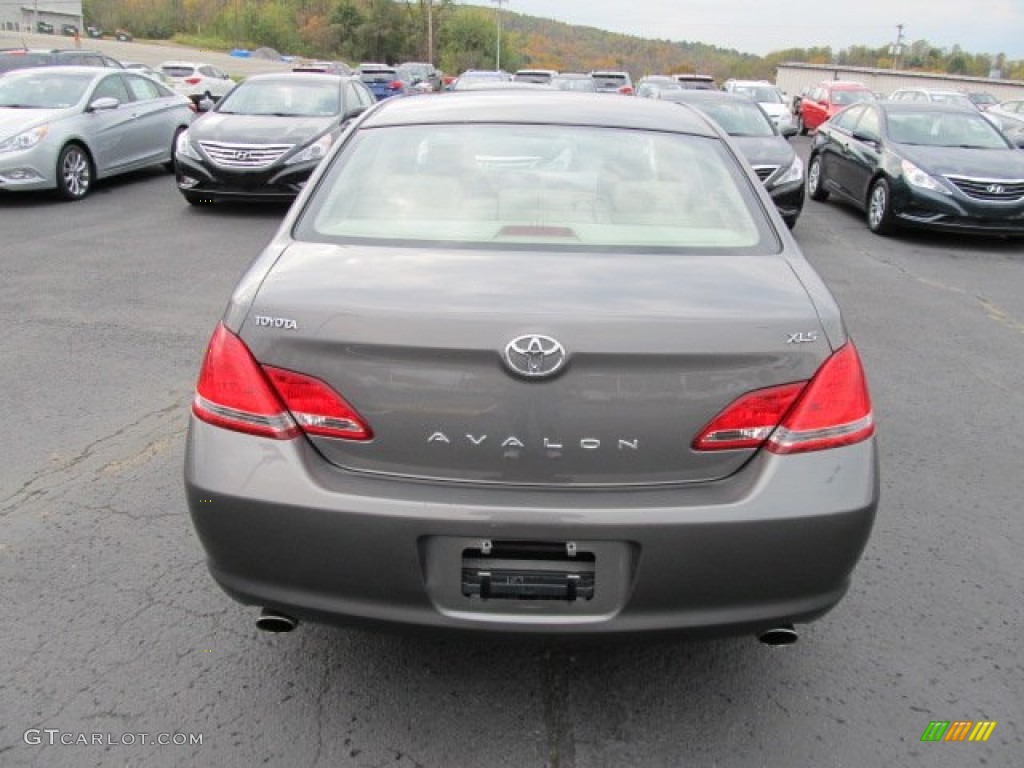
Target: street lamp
497,25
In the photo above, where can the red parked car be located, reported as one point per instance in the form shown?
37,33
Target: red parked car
827,98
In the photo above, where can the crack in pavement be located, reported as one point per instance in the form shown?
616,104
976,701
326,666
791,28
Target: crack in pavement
46,480
554,685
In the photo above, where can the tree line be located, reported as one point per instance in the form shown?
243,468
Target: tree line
460,37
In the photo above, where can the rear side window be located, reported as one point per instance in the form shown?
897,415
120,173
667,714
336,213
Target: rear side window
515,186
143,88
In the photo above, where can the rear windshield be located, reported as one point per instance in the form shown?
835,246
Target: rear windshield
609,81
528,185
10,61
532,77
176,71
379,76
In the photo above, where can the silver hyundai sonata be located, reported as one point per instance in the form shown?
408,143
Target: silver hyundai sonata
535,363
64,127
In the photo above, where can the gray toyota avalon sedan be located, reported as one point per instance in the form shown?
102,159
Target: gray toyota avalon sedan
537,363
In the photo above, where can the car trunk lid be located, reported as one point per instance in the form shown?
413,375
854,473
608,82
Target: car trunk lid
417,340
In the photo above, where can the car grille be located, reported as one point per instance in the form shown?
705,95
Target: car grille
243,155
993,190
764,172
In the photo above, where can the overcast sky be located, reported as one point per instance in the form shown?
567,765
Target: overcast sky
978,26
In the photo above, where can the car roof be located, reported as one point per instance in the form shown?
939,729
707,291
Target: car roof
935,107
183,63
539,107
309,77
844,85
64,69
687,95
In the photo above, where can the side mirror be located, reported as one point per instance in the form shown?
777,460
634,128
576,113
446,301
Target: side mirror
104,103
789,131
867,138
205,105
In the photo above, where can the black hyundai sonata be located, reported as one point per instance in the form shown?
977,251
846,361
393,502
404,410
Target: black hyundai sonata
263,140
928,165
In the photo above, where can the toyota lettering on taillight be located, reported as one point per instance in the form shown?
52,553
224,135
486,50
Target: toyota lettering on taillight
235,392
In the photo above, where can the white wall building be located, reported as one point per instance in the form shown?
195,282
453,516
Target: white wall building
792,78
24,17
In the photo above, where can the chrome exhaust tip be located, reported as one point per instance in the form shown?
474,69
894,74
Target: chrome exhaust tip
272,621
776,636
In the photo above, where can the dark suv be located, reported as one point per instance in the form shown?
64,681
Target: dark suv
24,58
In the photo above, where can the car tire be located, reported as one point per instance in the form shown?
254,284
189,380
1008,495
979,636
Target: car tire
815,188
879,213
74,172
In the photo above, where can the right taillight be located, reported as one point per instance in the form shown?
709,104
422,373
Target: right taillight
833,410
830,410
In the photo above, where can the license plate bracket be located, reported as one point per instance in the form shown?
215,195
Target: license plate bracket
517,570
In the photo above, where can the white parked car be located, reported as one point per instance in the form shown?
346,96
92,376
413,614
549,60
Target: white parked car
198,80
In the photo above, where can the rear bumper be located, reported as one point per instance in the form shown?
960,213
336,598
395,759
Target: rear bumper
775,543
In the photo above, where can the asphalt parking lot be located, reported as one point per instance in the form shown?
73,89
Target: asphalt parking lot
113,627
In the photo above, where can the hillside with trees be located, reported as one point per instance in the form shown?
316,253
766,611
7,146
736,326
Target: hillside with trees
465,37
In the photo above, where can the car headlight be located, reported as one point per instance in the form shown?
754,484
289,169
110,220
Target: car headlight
918,178
795,172
25,140
184,147
314,151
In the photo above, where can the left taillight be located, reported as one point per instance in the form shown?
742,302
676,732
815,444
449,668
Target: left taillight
235,392
832,409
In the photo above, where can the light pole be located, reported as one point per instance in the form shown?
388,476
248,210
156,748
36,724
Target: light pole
430,32
497,25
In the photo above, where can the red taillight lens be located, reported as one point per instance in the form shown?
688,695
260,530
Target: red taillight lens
834,409
233,393
831,410
317,408
747,422
193,80
395,85
626,90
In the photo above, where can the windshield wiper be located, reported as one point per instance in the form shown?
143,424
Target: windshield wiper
22,106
